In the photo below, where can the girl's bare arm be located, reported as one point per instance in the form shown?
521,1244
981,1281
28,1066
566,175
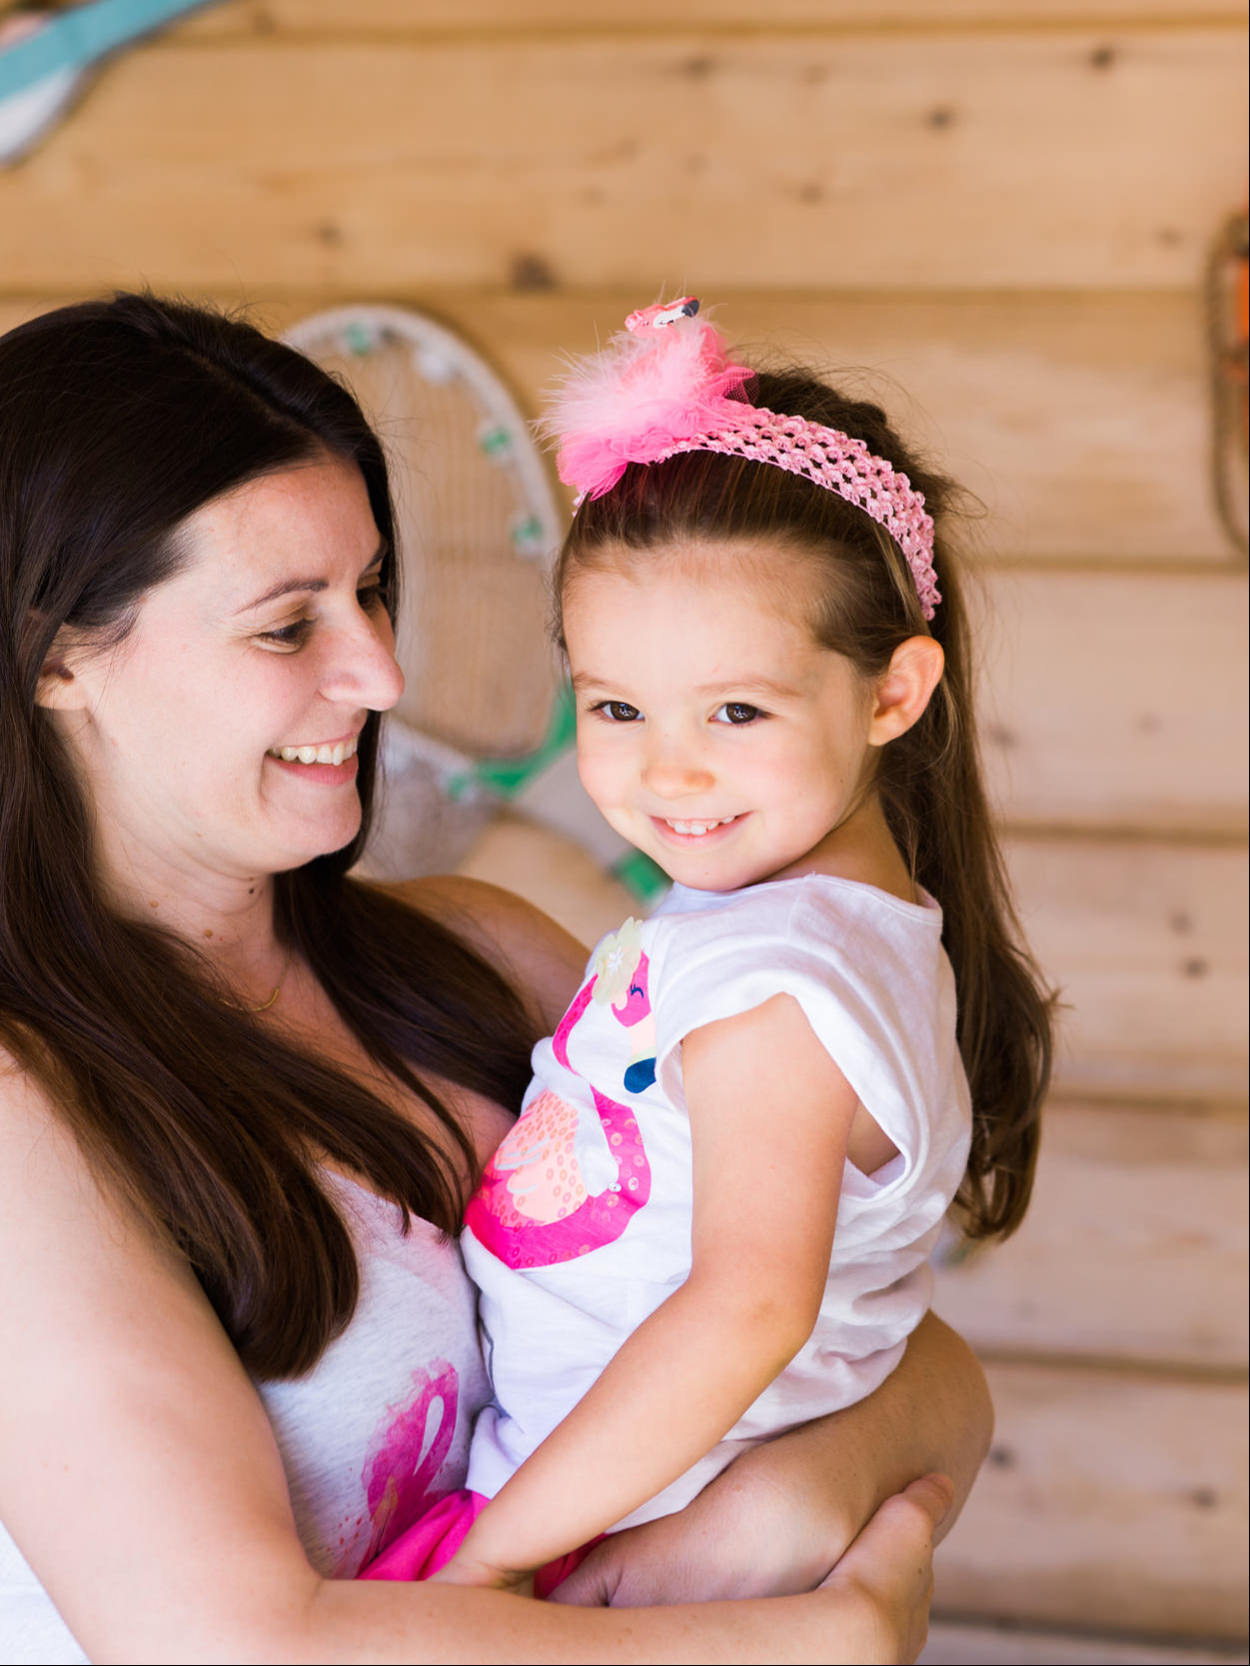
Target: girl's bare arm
778,1519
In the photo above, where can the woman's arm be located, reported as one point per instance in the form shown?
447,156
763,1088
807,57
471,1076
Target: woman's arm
140,1478
778,1519
537,956
767,1170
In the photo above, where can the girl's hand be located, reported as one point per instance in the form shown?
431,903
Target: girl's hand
468,1571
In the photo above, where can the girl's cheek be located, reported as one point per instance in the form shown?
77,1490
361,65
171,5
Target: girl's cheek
596,772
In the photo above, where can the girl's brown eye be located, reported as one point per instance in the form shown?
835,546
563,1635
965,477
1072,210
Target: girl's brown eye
620,711
738,712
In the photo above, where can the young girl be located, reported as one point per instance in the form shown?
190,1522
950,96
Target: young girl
713,1218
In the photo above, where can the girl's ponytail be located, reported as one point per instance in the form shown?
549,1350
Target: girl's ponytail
935,802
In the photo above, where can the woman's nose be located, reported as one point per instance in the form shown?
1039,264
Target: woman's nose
362,669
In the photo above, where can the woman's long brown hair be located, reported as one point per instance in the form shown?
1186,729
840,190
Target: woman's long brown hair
118,420
929,780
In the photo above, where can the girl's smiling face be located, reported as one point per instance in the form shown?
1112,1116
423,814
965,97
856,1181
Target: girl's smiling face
271,635
714,732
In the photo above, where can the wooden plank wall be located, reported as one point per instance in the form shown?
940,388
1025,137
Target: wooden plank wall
996,213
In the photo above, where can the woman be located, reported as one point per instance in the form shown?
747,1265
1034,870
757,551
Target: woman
242,1096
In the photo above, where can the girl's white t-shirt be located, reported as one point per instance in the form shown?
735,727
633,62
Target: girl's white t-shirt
581,1226
374,1435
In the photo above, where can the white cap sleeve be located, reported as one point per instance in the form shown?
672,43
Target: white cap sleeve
867,969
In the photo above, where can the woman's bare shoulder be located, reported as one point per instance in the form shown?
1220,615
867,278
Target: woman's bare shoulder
48,1182
127,1394
543,960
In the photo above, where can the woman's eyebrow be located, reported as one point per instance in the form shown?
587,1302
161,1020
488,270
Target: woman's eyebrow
286,586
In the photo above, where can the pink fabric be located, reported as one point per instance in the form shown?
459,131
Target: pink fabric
429,1544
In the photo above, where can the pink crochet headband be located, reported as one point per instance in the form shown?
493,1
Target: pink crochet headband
667,386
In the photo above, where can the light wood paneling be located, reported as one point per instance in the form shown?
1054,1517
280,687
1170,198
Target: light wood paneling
1147,942
1134,1245
952,1644
1078,420
797,161
1110,1499
1115,700
399,17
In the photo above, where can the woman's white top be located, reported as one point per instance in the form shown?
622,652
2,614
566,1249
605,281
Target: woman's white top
581,1226
375,1434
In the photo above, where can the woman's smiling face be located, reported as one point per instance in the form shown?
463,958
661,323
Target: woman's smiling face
271,636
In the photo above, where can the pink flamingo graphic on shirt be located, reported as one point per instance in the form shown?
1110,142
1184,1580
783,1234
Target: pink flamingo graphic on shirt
552,1192
401,1472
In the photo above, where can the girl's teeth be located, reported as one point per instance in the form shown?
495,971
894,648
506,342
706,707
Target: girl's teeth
698,827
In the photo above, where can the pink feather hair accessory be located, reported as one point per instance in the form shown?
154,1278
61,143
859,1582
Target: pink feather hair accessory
666,385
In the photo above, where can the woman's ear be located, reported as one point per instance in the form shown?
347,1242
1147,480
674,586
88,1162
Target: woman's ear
59,688
914,672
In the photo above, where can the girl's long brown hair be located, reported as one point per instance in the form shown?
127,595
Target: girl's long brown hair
929,780
117,421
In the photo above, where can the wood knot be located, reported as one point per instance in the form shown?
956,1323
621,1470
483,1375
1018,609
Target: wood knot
530,272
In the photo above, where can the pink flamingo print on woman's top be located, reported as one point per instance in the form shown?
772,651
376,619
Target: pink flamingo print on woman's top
405,1457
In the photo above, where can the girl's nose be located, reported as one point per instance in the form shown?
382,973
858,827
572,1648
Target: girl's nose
361,668
672,774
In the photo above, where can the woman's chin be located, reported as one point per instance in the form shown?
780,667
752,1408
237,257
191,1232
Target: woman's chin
298,849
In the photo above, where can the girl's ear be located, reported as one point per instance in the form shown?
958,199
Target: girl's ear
914,672
59,688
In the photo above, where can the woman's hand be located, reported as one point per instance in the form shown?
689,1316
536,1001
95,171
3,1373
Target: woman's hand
779,1518
881,1587
736,1539
890,1566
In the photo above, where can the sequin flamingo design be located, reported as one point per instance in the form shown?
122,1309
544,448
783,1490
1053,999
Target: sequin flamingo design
547,1196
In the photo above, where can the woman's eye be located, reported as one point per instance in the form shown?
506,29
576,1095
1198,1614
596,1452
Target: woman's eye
734,711
288,636
369,596
620,711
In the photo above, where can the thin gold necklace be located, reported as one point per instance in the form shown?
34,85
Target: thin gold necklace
264,1006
